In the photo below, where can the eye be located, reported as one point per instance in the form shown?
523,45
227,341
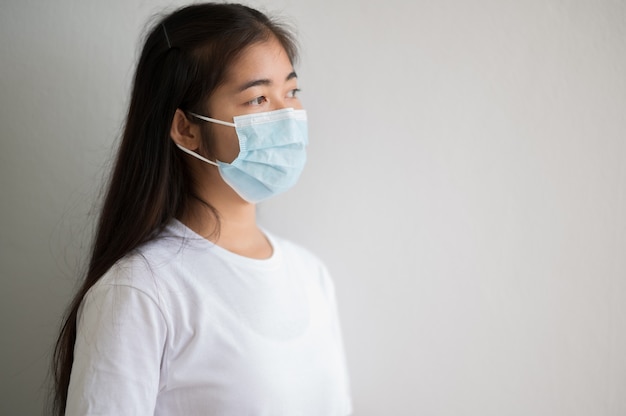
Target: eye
293,93
258,100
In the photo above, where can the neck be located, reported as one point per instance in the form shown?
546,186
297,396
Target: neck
234,228
229,217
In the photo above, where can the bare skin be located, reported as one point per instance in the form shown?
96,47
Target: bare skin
261,79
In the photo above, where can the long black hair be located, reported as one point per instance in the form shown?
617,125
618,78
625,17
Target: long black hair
184,58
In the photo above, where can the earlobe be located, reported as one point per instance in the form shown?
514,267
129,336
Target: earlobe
183,132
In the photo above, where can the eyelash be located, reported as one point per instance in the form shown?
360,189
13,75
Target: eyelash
261,99
294,93
255,101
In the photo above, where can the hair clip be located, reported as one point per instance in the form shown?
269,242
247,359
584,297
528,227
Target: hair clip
167,38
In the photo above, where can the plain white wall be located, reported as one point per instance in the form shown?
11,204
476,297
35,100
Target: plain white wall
466,187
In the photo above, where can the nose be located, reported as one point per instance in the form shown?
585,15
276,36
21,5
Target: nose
278,103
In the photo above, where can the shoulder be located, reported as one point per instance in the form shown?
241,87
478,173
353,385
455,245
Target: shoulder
305,261
147,268
294,252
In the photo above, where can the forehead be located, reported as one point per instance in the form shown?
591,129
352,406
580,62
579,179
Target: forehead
267,59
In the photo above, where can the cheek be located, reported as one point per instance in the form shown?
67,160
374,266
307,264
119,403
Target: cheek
297,105
224,143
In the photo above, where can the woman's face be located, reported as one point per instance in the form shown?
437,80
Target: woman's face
261,79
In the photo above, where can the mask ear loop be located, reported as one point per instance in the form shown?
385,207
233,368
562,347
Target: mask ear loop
213,120
197,156
194,154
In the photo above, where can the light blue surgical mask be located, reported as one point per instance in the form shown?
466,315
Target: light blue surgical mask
272,152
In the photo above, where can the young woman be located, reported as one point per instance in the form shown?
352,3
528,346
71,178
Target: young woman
188,307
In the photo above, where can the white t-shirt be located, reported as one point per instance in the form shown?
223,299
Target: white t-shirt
183,327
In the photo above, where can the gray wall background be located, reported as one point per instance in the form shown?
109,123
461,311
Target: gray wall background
466,187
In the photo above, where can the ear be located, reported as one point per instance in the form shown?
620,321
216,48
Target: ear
184,132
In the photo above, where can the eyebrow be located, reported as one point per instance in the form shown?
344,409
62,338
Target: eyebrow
258,82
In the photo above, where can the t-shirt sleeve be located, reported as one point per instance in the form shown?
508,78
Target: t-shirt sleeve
121,334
